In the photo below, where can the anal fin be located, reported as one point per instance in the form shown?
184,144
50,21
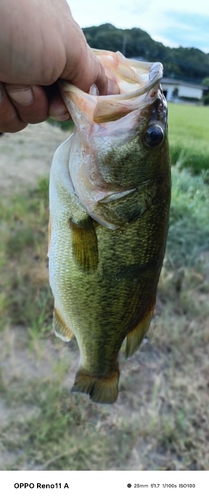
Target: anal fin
84,243
61,330
135,337
100,389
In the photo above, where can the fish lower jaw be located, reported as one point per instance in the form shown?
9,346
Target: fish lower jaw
102,390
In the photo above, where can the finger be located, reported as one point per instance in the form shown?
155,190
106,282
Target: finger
101,80
93,71
57,108
31,103
104,85
112,88
9,119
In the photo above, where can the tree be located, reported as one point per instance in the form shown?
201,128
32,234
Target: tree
188,64
205,98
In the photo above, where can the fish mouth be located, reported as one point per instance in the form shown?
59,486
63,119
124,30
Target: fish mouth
143,75
103,125
138,82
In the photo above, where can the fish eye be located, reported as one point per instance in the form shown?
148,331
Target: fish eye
153,136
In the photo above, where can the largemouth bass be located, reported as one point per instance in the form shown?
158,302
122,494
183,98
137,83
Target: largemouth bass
109,209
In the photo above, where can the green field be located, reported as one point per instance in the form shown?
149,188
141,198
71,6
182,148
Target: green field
189,136
160,421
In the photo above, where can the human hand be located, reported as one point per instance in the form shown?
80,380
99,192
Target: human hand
39,43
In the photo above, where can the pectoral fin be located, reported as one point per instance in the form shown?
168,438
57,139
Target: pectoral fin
135,337
84,244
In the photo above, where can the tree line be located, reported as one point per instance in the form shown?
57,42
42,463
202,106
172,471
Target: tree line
188,64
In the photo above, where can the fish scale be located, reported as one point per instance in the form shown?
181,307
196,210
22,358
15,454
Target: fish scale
108,232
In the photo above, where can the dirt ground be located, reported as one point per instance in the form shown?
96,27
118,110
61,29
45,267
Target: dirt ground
26,156
157,422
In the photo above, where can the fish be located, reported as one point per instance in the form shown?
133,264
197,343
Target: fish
109,205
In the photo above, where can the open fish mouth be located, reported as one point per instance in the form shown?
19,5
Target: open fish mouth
138,83
104,123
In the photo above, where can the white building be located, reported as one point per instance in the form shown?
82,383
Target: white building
177,89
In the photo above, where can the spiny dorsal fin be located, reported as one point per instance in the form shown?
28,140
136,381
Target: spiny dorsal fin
84,244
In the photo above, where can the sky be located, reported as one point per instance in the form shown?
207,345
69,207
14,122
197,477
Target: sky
174,23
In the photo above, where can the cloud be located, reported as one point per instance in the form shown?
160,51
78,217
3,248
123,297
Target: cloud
187,29
183,22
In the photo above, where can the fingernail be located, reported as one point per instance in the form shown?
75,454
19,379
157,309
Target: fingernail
22,96
60,118
58,111
112,88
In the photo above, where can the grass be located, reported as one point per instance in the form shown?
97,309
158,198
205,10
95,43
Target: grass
160,421
58,445
188,136
66,125
189,229
23,251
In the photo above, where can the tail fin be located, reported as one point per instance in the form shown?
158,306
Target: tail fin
100,389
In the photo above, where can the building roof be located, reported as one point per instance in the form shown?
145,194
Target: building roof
171,81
